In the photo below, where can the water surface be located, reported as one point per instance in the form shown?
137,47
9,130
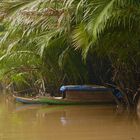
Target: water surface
36,122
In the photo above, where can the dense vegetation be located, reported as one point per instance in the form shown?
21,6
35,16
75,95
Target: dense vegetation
47,43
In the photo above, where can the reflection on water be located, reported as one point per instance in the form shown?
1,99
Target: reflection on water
36,122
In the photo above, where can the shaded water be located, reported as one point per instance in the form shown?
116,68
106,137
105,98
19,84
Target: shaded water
36,122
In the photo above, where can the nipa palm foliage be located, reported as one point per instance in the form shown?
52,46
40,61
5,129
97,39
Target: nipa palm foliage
109,28
36,46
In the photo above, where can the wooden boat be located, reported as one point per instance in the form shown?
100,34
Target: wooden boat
74,95
55,101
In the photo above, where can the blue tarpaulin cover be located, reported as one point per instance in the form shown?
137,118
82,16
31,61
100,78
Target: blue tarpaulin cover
83,88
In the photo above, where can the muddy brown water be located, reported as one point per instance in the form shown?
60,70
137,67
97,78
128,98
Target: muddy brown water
43,122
